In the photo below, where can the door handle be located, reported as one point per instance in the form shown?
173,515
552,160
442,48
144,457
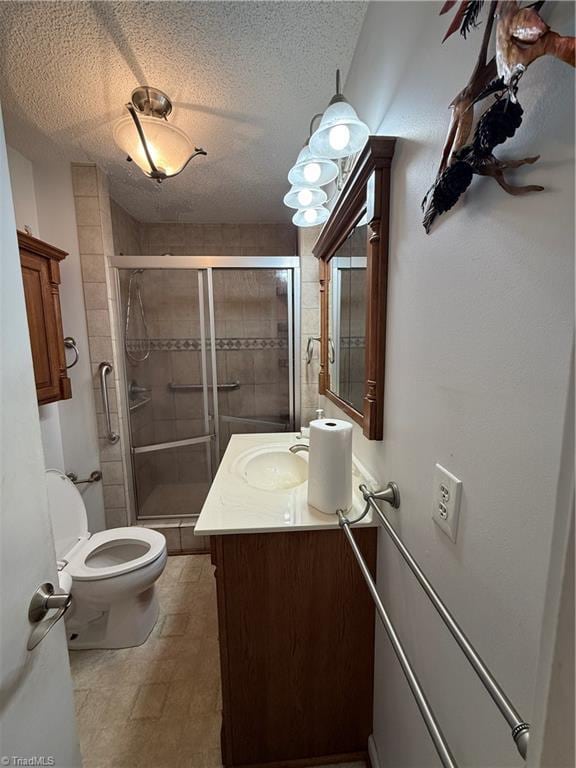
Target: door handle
44,600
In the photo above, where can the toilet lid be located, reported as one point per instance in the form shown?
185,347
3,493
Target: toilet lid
67,512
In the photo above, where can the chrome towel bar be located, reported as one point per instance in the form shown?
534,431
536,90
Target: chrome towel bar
520,728
434,729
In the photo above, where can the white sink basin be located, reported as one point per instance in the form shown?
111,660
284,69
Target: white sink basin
275,470
261,487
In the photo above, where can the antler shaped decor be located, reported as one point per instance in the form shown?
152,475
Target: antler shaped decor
521,37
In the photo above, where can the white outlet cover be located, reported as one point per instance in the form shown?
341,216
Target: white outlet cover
446,493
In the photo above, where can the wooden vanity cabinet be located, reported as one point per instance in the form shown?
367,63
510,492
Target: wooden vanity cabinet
41,278
296,629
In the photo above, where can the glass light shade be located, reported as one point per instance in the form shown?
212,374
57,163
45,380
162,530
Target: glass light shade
310,217
169,147
340,133
310,171
305,197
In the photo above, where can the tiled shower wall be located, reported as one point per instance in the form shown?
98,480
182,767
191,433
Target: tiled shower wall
219,239
310,322
96,247
126,231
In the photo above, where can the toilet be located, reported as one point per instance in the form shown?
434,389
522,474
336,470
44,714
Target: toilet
113,573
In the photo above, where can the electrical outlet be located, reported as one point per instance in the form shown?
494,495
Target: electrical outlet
446,501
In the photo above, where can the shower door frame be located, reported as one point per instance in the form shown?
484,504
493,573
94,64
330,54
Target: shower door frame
204,265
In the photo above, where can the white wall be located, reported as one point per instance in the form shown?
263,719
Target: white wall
480,328
44,201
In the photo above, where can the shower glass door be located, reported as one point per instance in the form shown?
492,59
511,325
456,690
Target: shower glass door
168,373
209,353
254,351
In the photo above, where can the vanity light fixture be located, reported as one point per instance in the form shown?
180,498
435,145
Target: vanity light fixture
310,217
339,136
305,197
161,150
311,171
341,133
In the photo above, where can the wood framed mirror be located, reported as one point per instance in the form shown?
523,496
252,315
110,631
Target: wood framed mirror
353,253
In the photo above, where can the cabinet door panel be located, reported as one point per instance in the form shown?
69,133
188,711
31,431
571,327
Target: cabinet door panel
37,295
296,629
41,278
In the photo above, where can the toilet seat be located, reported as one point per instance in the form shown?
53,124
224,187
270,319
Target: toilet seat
115,552
101,555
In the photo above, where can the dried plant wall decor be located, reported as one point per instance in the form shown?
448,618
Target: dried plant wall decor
521,37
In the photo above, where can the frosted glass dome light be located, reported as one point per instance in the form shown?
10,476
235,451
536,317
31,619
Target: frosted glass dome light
310,217
305,197
341,133
311,171
159,149
169,147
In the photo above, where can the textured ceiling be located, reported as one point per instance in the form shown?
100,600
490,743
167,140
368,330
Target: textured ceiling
245,79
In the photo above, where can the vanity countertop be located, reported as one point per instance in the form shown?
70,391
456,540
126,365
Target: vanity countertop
234,505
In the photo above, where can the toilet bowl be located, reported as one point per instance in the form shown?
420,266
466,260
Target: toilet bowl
113,573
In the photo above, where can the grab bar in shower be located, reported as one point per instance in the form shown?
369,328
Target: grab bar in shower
520,728
104,369
95,477
199,387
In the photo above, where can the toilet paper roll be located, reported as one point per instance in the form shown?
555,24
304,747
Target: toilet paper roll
330,465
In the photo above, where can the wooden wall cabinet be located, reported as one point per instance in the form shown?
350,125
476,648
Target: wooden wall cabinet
41,279
296,629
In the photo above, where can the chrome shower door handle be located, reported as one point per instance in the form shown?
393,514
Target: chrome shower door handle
43,601
310,348
331,350
104,369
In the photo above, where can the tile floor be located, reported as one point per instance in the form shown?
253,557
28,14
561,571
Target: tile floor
158,705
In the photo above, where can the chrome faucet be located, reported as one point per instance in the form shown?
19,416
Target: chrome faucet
299,447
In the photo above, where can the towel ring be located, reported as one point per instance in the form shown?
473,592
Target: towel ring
70,343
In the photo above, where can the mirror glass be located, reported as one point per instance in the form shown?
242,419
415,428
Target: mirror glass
347,303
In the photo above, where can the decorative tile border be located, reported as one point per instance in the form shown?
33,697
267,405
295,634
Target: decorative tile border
192,345
359,342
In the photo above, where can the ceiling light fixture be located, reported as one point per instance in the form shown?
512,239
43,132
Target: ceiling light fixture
341,133
161,150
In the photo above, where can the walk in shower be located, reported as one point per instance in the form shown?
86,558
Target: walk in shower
209,352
